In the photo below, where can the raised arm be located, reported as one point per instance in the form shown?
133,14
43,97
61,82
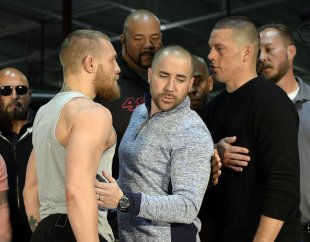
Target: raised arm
30,193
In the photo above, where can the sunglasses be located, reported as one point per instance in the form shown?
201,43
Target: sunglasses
7,90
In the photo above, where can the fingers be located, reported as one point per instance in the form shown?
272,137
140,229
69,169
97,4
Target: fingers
229,140
108,177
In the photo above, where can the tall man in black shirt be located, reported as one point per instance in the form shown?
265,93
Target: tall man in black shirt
260,203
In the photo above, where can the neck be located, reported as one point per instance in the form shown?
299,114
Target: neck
233,85
288,82
75,84
18,124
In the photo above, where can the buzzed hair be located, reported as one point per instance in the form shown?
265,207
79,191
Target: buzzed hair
200,60
243,27
138,14
175,50
284,32
78,45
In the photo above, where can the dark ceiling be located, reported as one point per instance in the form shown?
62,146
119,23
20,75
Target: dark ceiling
32,30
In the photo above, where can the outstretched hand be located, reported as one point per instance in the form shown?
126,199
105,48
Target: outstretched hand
233,157
108,194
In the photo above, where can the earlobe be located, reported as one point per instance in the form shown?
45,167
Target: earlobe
122,38
88,63
149,75
291,51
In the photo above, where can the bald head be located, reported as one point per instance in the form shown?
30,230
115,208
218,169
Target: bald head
15,95
174,51
13,73
141,38
78,45
138,17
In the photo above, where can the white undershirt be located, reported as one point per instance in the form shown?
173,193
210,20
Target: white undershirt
292,95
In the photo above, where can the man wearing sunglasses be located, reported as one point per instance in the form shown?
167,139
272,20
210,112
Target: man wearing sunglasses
15,143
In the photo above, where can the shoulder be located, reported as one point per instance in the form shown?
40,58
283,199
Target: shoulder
84,110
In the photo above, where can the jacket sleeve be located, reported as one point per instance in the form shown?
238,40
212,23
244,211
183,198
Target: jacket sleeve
276,129
190,171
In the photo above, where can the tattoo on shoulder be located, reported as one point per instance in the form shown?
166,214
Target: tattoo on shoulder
66,89
4,199
33,222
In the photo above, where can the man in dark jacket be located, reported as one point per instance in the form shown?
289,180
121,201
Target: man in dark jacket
15,143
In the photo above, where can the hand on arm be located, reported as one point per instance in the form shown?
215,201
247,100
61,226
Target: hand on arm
30,193
216,168
108,194
233,157
268,229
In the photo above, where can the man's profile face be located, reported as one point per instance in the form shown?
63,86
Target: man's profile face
273,61
105,81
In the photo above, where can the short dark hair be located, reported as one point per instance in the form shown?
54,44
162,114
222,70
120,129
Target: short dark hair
241,26
284,32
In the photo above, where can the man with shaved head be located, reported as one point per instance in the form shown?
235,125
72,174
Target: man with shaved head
140,39
261,202
164,158
15,143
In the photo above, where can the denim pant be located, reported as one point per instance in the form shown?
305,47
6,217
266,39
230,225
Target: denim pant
55,228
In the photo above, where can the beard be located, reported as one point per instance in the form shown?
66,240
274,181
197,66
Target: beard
138,61
280,72
16,113
106,85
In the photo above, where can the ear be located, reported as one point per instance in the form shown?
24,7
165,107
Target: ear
123,38
149,74
89,63
210,83
291,51
191,82
248,53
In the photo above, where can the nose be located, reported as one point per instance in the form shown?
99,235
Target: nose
117,68
193,89
169,87
148,44
211,55
14,94
262,56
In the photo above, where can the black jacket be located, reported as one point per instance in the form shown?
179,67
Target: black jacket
15,149
133,88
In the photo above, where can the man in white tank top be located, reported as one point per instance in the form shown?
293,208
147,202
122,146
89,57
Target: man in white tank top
71,137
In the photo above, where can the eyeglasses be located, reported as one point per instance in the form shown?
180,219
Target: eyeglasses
7,90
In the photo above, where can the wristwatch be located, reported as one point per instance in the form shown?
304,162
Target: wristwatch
123,204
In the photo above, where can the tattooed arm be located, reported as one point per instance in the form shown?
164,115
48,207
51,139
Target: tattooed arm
31,196
5,223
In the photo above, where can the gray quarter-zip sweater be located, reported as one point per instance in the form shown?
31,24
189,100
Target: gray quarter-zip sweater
164,170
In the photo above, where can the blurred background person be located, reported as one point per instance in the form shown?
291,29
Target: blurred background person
203,84
16,144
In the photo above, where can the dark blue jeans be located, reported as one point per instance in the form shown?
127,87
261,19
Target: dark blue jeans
55,228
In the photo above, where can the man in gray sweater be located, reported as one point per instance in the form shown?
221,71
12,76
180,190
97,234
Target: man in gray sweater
164,159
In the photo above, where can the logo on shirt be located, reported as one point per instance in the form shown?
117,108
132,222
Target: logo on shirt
131,103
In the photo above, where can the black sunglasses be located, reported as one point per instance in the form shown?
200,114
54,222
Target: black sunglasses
7,90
